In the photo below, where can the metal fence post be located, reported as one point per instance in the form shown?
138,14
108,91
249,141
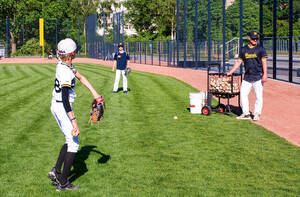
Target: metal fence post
123,24
104,39
140,48
159,52
209,33
79,34
7,37
169,52
290,40
218,50
241,30
119,26
177,30
145,44
174,47
134,47
261,22
274,38
129,49
184,33
196,33
224,36
23,40
114,41
152,52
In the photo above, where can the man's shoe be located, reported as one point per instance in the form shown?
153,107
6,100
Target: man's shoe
125,92
256,117
114,92
67,186
244,117
53,176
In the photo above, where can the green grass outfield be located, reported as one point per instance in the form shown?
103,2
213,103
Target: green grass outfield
138,149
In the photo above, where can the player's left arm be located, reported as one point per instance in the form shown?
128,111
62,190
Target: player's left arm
128,60
264,62
265,69
87,84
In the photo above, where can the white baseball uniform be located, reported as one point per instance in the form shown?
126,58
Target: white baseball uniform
64,77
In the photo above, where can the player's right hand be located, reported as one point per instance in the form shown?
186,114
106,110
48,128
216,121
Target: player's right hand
75,132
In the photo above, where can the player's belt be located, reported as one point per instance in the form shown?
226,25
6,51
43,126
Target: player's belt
61,102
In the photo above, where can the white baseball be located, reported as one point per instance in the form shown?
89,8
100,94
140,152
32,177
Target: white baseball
175,117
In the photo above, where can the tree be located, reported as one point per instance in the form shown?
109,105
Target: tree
28,11
152,17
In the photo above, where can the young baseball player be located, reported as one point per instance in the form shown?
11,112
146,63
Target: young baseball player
121,61
63,96
254,57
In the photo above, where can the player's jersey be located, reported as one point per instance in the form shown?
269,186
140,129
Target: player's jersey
121,59
252,61
64,77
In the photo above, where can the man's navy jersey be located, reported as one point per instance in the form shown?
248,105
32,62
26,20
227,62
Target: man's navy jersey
121,60
252,61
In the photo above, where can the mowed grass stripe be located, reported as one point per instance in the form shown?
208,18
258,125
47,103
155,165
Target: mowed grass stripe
7,71
23,96
19,75
96,70
151,154
23,73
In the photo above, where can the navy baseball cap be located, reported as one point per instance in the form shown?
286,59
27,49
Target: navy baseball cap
120,44
253,34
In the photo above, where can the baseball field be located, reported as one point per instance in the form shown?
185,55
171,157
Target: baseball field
138,149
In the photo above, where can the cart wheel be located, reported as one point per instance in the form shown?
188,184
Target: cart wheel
228,109
206,110
221,108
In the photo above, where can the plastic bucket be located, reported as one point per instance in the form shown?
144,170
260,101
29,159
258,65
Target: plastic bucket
197,101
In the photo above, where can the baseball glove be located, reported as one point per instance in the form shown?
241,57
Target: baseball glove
97,111
127,71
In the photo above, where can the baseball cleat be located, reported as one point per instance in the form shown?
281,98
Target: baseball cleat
53,176
125,92
244,117
67,186
256,117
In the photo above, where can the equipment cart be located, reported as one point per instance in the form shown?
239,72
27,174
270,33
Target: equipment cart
223,87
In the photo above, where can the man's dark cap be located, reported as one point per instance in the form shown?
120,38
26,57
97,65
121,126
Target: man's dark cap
78,48
253,34
120,44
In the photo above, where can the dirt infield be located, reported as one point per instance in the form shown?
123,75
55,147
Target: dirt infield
281,111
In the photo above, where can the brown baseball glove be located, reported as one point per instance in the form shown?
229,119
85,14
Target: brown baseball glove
97,111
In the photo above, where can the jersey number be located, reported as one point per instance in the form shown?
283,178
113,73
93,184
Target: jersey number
57,86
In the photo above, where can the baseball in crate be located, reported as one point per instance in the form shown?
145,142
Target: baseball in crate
223,86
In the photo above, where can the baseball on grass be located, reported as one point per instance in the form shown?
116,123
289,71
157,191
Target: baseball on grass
175,117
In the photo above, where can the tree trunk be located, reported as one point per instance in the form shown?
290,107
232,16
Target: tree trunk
84,34
13,44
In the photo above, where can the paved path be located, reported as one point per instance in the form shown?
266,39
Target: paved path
281,111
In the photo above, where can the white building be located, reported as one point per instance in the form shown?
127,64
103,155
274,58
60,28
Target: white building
128,29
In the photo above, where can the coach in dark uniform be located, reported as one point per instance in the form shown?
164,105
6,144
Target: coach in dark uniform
254,57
